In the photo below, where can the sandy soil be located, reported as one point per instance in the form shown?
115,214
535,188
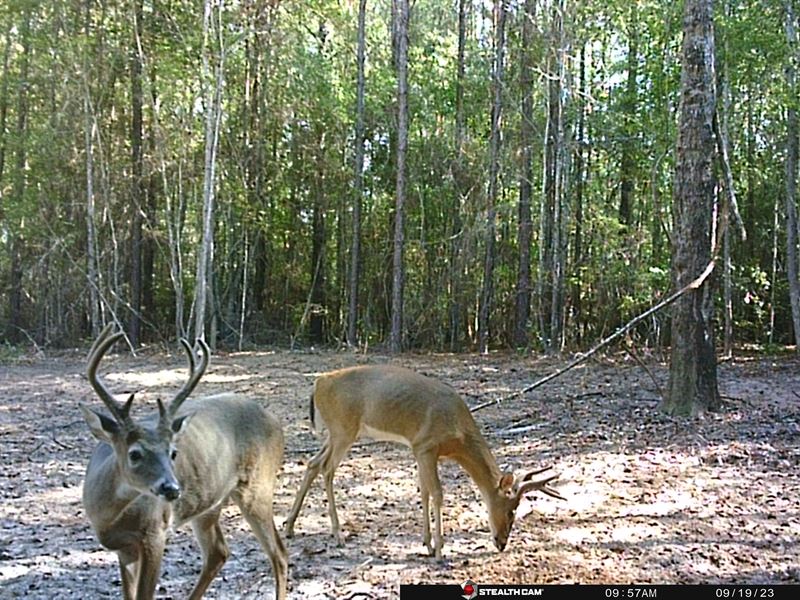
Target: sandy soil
650,499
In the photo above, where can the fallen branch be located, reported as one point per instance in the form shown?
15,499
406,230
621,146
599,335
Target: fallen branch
618,333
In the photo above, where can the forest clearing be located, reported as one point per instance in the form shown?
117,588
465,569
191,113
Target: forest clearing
650,498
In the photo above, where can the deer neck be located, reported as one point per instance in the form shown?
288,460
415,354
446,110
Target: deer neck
478,461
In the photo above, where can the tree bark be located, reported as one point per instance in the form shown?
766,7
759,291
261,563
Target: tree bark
358,182
693,369
792,147
523,298
487,290
398,275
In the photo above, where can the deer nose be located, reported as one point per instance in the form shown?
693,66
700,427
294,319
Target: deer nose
170,490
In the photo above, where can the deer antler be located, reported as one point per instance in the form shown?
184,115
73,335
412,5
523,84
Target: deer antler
195,373
539,484
101,345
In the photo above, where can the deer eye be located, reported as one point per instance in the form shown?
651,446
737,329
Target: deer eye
173,454
135,455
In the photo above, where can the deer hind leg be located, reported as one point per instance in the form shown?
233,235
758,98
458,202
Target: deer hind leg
256,507
314,467
430,486
339,447
215,550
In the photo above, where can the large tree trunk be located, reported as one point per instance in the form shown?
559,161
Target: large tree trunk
693,369
522,311
487,290
358,182
398,275
792,143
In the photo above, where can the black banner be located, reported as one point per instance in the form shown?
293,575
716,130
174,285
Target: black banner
469,590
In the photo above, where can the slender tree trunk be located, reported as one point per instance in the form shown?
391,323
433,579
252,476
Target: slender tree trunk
213,104
316,318
547,223
137,183
487,290
792,147
577,259
4,109
15,319
693,368
91,232
456,233
523,298
398,277
358,182
627,162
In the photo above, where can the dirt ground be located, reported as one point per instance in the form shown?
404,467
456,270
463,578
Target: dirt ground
650,499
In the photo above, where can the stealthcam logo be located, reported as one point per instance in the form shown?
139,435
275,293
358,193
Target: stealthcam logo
470,589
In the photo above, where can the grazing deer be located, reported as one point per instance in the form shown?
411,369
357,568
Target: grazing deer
182,465
389,403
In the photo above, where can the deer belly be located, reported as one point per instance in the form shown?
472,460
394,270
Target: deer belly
382,436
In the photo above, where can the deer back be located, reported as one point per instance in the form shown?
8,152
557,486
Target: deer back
394,400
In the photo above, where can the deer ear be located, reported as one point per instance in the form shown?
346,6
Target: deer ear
102,427
179,424
506,482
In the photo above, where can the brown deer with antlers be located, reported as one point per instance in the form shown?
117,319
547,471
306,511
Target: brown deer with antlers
180,466
391,403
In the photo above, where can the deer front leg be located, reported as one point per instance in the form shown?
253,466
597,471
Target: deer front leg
427,463
426,514
129,571
152,551
215,551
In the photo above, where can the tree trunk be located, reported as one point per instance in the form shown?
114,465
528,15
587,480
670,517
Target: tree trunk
15,325
398,275
630,104
4,110
456,225
693,369
316,318
792,147
523,298
137,183
487,290
544,282
213,104
358,182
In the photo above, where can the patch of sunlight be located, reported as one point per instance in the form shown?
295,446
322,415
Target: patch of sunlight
576,535
170,377
13,571
636,533
664,504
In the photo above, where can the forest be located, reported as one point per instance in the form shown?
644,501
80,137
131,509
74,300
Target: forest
232,170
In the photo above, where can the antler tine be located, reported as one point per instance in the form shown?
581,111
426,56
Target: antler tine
540,485
99,348
195,373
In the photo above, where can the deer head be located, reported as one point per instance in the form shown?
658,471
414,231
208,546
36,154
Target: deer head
509,493
144,453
